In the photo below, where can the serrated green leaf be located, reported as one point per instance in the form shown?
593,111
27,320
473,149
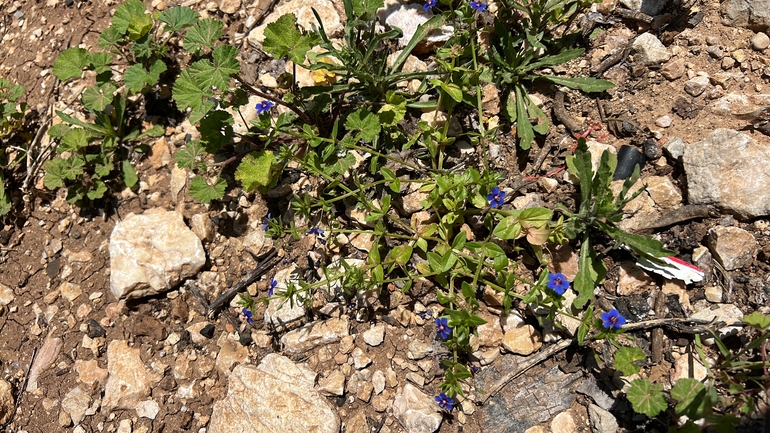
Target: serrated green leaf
102,170
97,98
100,62
58,131
394,111
70,63
365,122
205,193
97,191
283,38
188,94
109,38
692,397
257,171
75,139
139,26
191,156
129,174
203,34
586,84
216,74
135,78
366,8
53,174
757,320
125,13
508,228
178,18
646,398
625,358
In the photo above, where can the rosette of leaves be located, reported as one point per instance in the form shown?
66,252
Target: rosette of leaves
517,57
599,212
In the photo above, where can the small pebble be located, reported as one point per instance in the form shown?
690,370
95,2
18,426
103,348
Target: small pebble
664,121
712,40
728,63
760,41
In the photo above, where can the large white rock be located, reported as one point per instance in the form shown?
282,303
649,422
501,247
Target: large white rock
728,169
151,253
276,396
416,411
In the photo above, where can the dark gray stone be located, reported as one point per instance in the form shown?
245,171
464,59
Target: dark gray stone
534,397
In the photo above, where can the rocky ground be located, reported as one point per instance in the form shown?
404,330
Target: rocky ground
692,94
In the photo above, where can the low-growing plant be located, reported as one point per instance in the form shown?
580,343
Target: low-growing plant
734,387
12,112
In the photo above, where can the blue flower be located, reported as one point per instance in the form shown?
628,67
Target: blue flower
478,6
429,4
271,288
496,197
442,329
248,315
613,320
445,402
263,106
558,283
316,231
266,222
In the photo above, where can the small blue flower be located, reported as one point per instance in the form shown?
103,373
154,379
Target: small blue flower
429,4
445,402
478,6
264,106
442,329
613,320
425,314
271,288
248,314
558,283
316,231
266,222
496,197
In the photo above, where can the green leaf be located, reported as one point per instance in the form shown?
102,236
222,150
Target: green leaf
508,228
364,121
70,63
100,62
283,38
563,56
75,139
366,8
646,398
423,30
191,156
139,26
643,245
586,84
625,358
97,98
155,131
5,202
125,13
757,320
523,126
394,111
110,37
136,77
58,131
693,398
97,191
205,193
400,254
178,18
129,174
586,278
187,93
203,34
210,75
258,171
